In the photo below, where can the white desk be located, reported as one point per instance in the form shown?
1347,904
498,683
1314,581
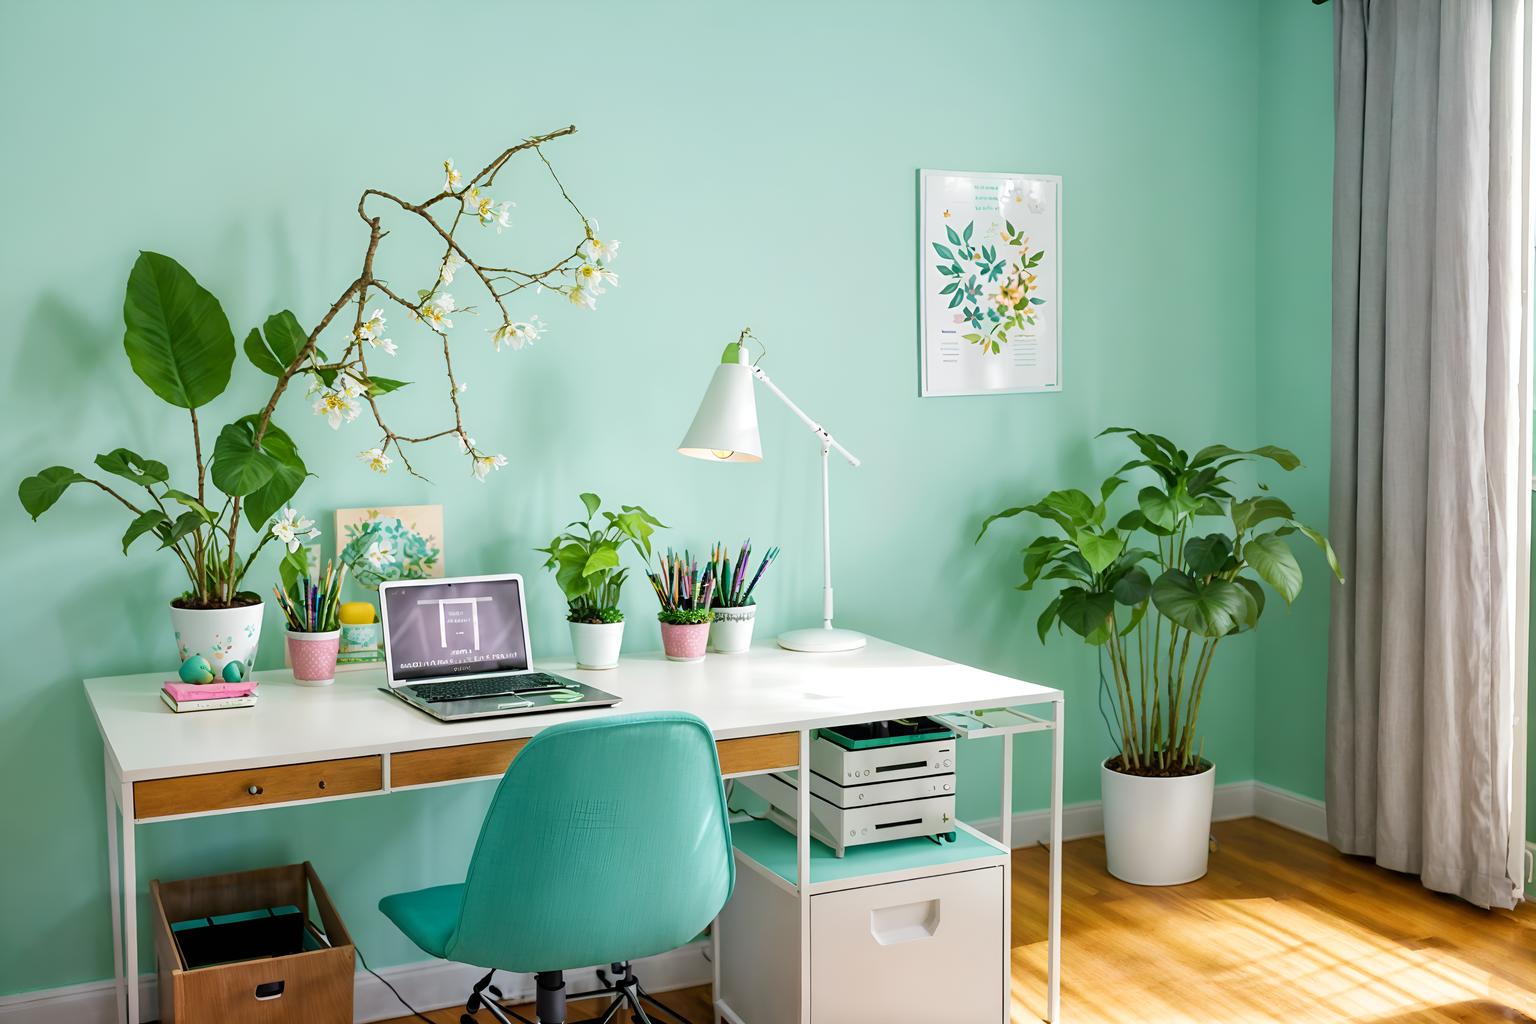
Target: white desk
301,745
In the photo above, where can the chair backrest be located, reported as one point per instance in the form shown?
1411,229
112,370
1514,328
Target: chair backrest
607,840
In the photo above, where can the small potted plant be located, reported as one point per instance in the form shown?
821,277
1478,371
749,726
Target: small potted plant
1158,589
585,561
311,609
734,607
685,614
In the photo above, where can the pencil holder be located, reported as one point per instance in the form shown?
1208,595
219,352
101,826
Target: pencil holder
731,631
314,656
684,641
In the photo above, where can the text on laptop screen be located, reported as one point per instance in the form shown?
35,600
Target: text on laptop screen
459,628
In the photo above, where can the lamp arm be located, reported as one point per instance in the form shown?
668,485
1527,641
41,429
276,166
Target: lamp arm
827,439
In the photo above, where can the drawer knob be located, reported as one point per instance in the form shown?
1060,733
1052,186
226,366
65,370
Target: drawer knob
253,789
322,783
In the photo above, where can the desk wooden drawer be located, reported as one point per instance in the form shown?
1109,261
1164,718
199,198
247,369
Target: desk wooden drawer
484,760
277,784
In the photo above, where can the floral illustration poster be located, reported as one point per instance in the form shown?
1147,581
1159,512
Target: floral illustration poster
402,542
990,262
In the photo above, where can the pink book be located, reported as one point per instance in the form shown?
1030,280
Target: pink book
185,692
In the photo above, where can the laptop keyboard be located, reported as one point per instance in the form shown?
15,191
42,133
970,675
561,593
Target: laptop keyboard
499,686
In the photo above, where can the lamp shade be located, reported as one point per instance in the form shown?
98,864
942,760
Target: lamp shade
725,427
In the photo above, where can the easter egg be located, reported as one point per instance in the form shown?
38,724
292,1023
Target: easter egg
234,671
196,670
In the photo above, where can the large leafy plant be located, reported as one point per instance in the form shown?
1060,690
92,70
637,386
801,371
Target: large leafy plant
585,558
1166,582
179,343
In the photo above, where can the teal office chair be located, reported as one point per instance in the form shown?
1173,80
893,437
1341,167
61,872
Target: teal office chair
606,841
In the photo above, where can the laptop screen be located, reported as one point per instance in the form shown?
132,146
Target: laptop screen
461,627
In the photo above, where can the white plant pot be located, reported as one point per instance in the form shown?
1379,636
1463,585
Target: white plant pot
221,635
1157,831
596,643
731,630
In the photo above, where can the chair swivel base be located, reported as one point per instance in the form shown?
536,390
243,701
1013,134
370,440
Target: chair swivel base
550,999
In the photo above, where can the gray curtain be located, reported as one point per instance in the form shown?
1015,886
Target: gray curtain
1430,401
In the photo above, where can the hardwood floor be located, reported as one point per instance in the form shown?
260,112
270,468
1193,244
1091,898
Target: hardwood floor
1282,929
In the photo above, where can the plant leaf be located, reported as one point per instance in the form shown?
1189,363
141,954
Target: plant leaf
273,349
1158,508
1252,511
288,473
1099,551
1047,617
1087,613
1206,555
1209,609
605,556
1281,457
1133,587
384,385
177,339
39,492
239,466
1272,559
142,524
592,503
133,466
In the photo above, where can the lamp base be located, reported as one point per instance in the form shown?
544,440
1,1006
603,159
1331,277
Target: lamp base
821,640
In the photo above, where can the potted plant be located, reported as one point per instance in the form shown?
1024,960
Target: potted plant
179,343
1159,612
734,606
585,561
685,614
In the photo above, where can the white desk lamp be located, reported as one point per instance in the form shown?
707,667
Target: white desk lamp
725,430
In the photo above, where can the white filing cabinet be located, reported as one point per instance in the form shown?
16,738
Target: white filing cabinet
907,931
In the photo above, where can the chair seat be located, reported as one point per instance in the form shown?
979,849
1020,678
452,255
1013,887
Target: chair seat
426,916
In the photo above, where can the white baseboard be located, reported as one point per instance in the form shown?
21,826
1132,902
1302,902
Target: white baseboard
1079,821
1291,810
426,986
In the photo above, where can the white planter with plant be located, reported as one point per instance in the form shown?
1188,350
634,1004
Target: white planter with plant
179,343
1158,614
585,560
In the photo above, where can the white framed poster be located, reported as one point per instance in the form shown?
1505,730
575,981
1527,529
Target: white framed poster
989,282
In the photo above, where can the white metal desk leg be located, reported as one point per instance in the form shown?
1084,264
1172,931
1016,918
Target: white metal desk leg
1053,951
1005,836
130,887
803,870
115,890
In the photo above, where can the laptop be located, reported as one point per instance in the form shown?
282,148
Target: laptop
458,648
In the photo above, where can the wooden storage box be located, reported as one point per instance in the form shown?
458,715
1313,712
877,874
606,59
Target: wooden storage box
314,985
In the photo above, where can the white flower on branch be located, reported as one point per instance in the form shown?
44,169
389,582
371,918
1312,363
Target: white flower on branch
375,459
435,313
593,277
293,530
518,334
466,443
339,402
579,296
597,249
485,463
488,210
451,264
453,180
389,347
460,387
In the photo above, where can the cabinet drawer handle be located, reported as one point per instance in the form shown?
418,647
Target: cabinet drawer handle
253,789
322,783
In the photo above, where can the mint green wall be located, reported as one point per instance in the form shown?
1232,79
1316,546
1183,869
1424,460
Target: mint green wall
1293,362
759,165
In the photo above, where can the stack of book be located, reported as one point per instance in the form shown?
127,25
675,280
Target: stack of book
179,696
